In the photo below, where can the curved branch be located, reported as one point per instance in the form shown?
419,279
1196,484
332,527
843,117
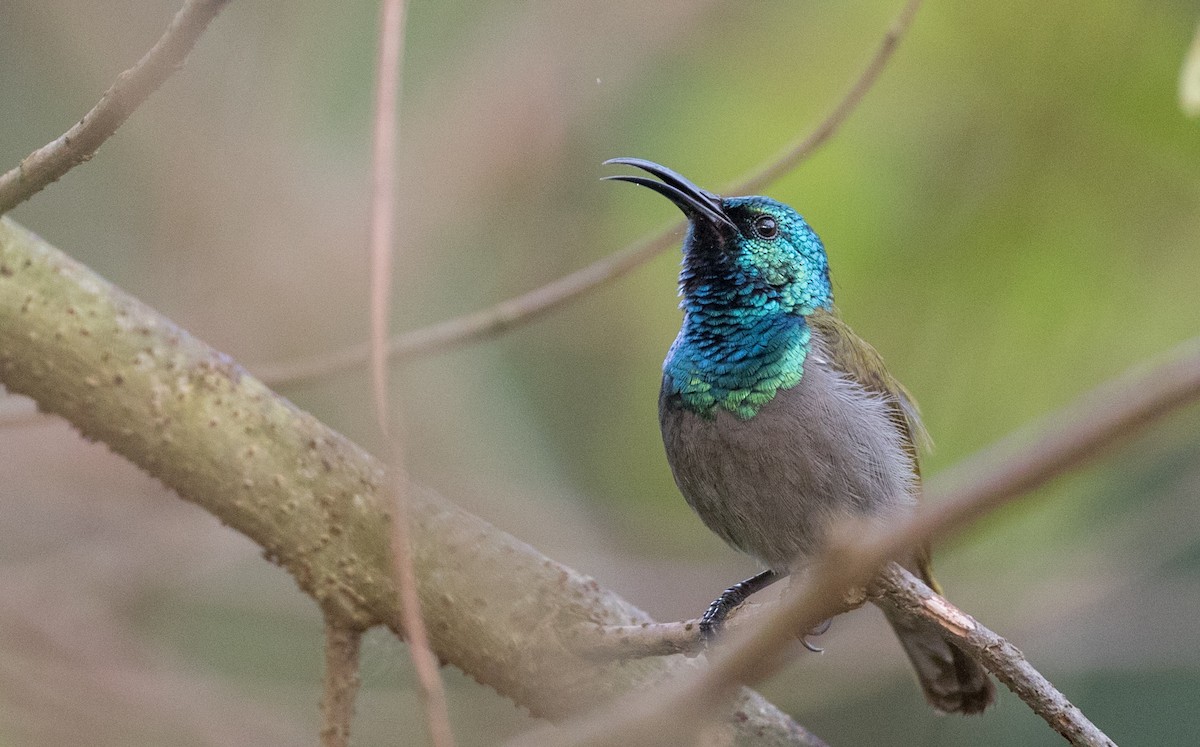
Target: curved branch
477,325
794,155
921,604
492,321
132,87
193,418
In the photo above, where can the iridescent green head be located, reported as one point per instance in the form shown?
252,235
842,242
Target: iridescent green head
752,270
751,252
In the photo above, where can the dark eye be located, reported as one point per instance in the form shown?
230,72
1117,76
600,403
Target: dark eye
766,227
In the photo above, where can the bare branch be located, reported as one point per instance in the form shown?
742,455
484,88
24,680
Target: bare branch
132,87
796,154
912,598
920,603
667,638
522,309
383,209
382,246
341,683
1110,414
650,639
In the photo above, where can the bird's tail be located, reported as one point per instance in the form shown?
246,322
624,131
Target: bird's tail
952,681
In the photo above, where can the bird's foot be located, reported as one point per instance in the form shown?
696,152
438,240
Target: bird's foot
713,620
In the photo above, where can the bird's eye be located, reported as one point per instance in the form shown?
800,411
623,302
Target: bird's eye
766,227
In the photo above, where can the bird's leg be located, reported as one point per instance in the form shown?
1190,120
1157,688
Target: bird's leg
714,617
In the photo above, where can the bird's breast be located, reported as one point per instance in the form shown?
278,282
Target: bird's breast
772,484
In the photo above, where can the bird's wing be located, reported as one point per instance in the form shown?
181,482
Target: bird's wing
855,357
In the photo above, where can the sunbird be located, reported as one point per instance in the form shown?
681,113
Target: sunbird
778,420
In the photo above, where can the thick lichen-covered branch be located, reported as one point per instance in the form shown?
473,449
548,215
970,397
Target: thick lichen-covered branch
192,417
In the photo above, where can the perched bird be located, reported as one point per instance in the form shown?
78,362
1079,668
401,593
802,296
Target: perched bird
778,420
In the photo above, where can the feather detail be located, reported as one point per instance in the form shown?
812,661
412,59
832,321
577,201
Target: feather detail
856,358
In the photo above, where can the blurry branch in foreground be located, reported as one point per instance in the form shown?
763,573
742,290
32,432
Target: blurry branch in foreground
131,88
525,308
382,250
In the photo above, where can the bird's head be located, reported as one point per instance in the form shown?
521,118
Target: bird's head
741,252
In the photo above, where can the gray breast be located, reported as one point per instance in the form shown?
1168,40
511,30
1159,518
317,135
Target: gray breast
773,484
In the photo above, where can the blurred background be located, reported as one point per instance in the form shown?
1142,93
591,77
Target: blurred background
1012,218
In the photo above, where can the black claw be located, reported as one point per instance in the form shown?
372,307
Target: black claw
714,617
821,628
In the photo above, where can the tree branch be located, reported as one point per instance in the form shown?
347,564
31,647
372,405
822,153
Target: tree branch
507,314
132,87
794,155
667,638
1112,413
381,248
917,602
341,683
921,604
193,418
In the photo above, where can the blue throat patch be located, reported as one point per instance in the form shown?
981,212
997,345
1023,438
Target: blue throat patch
738,366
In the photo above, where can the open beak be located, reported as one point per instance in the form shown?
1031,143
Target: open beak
693,201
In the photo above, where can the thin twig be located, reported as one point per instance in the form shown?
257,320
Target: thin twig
920,603
797,153
627,642
382,239
131,88
341,683
488,322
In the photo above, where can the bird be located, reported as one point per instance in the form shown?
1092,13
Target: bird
778,420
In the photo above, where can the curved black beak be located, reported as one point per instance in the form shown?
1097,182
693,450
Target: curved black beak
693,201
